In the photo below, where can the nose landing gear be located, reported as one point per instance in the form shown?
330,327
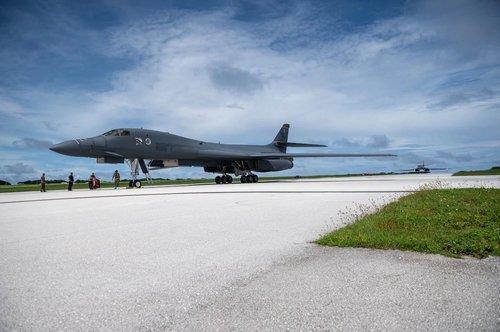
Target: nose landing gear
134,184
134,165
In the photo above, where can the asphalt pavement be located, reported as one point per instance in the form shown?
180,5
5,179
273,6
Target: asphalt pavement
229,257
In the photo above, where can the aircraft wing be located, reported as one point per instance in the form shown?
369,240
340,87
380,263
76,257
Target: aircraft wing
228,155
318,155
300,145
237,155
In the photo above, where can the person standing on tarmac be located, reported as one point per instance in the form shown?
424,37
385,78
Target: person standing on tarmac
92,181
42,183
116,178
71,180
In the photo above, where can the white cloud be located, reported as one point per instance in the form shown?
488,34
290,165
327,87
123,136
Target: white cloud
32,143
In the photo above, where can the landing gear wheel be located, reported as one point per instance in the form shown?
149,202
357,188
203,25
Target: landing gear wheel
227,179
218,179
243,179
255,178
131,184
137,184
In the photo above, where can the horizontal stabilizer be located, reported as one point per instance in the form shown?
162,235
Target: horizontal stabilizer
304,145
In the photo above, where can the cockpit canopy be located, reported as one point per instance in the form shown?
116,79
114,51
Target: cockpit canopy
117,132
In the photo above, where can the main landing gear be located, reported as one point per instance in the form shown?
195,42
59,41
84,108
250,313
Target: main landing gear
249,178
245,178
223,179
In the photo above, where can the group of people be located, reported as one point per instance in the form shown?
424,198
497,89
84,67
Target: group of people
94,182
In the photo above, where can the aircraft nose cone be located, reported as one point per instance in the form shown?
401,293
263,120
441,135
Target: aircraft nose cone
69,148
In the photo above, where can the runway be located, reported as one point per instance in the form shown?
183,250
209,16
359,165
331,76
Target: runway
228,257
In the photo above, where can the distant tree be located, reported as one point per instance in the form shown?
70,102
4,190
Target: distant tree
4,183
38,181
29,182
56,181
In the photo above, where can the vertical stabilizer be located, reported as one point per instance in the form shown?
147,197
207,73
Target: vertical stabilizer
282,137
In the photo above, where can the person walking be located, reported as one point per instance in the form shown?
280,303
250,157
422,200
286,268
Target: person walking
71,180
42,183
116,178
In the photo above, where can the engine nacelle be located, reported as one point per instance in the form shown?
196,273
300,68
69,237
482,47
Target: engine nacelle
110,160
273,165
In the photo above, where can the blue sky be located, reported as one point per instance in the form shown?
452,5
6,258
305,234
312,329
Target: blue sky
417,78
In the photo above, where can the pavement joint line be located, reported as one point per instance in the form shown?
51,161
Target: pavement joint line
218,192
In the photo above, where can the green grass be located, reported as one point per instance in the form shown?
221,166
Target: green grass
62,186
491,171
451,222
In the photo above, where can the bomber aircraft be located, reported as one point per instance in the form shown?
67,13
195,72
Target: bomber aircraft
422,168
164,150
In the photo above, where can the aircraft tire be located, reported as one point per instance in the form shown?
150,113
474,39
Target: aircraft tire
137,184
255,178
229,179
224,179
218,179
243,179
131,184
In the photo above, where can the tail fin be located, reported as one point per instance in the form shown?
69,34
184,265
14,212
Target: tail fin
281,140
282,137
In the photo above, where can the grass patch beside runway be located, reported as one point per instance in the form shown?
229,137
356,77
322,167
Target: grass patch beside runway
491,171
451,222
123,184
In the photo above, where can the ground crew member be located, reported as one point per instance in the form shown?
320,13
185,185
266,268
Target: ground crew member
71,180
42,183
116,177
92,181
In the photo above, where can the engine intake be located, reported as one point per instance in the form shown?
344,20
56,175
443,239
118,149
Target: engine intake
165,163
110,160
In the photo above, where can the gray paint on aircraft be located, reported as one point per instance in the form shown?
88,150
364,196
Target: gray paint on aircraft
165,150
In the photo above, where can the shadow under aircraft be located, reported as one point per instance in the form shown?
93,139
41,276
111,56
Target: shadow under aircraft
149,149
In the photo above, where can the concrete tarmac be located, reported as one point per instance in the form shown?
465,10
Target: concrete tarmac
229,257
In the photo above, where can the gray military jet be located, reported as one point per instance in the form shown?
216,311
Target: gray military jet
165,150
422,168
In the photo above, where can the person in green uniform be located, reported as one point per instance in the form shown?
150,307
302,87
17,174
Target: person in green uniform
42,183
71,180
116,178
